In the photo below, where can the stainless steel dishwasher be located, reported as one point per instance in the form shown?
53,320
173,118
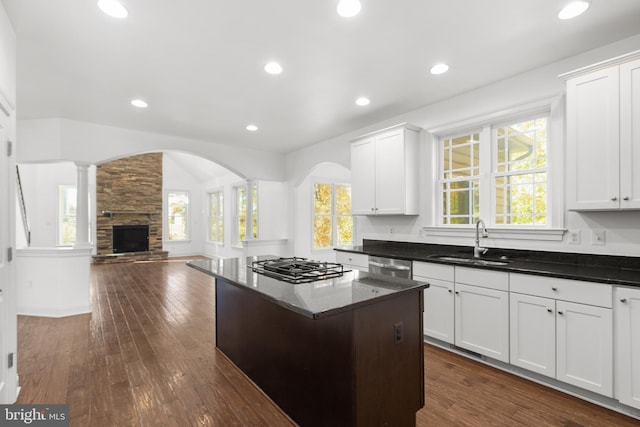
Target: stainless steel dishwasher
390,266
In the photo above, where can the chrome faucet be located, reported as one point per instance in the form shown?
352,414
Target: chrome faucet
477,249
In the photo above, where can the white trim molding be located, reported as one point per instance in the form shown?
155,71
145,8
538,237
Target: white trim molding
546,234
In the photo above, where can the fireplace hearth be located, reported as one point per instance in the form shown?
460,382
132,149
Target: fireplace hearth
130,238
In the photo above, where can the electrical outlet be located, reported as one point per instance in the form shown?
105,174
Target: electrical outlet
574,237
598,237
397,332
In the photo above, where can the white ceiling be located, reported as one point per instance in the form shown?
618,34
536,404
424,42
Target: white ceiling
199,63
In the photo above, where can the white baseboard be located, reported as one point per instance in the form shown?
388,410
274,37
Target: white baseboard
53,312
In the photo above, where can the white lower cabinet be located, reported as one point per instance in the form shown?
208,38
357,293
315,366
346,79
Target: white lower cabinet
467,307
438,299
568,339
533,333
585,346
352,260
482,321
627,317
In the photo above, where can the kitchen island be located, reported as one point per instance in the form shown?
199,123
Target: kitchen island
342,351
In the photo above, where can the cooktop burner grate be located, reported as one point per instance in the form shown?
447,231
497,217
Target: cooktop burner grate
297,270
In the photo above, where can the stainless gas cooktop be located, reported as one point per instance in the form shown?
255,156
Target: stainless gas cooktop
297,270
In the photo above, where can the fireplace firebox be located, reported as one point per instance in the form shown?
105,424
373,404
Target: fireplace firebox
130,238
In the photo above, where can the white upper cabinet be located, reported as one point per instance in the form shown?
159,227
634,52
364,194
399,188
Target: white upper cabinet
384,172
603,136
630,134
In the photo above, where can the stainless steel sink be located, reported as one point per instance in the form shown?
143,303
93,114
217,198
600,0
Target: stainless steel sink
472,261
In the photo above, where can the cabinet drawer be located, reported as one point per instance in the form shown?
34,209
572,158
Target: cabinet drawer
433,271
563,289
485,278
354,259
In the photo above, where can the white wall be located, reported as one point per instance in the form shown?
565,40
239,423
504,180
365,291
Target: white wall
46,140
176,178
40,183
623,229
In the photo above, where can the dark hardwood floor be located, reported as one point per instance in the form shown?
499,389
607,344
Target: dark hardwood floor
145,356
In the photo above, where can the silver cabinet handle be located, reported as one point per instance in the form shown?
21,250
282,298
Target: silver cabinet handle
389,266
626,198
377,264
554,289
614,198
549,310
560,313
623,300
457,293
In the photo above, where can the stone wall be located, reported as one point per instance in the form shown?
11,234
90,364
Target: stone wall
131,190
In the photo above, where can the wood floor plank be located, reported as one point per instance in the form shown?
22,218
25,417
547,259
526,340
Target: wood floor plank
146,356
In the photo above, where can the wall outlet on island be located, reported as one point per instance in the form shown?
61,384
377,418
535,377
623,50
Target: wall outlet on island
598,237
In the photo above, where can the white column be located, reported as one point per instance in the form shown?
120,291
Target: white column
82,206
248,234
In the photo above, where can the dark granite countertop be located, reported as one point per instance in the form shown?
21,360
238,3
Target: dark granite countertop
315,299
617,270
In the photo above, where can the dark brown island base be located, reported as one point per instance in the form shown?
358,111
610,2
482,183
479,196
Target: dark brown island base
343,351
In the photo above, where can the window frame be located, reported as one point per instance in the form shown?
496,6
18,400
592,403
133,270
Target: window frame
59,224
167,215
221,216
237,243
554,229
334,223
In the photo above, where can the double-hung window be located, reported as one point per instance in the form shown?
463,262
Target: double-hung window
216,216
460,178
332,220
66,215
520,173
241,213
178,215
497,172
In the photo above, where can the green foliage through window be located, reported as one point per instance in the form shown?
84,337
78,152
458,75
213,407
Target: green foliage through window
241,212
332,220
216,217
178,209
517,177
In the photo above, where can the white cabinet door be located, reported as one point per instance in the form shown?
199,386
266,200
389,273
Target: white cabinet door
482,321
627,312
593,138
363,155
390,177
533,333
585,346
438,309
384,172
630,135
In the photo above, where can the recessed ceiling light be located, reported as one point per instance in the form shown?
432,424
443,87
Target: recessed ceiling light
573,9
252,128
362,101
348,8
139,103
273,68
439,69
113,8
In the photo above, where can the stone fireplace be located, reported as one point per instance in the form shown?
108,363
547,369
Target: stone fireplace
129,193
